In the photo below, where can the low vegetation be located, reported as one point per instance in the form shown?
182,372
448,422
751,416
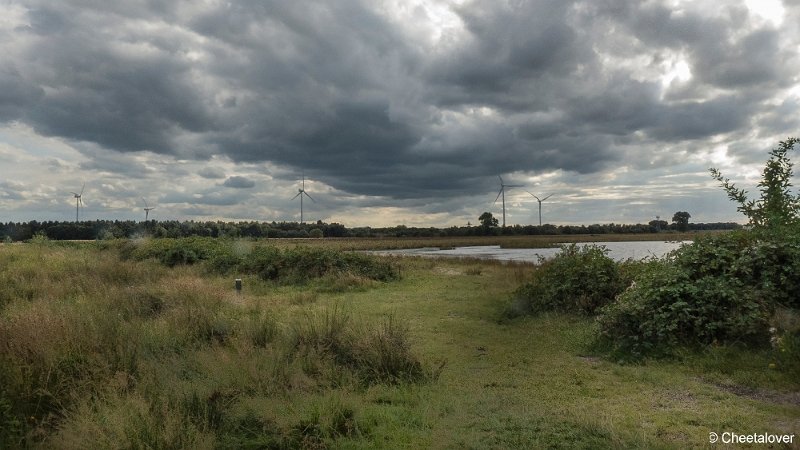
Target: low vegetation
98,350
284,265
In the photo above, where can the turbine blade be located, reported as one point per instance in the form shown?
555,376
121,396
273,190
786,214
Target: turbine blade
82,188
529,192
304,192
145,202
547,197
498,195
298,194
515,185
501,180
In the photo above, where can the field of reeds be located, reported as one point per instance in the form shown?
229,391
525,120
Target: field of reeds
146,344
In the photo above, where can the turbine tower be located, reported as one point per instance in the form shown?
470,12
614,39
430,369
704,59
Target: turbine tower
540,205
147,209
78,201
300,193
502,193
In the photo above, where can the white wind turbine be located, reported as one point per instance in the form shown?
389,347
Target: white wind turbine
300,193
502,193
78,201
147,209
540,205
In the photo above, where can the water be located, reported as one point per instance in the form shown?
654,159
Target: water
617,250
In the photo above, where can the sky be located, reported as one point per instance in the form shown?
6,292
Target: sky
395,112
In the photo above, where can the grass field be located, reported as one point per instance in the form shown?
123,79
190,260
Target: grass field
99,352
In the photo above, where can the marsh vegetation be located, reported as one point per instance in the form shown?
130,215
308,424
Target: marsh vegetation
145,344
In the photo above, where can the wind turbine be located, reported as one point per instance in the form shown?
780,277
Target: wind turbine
147,209
300,193
78,201
502,192
540,205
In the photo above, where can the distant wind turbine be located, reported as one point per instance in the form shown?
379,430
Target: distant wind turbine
502,193
540,205
78,201
147,209
300,193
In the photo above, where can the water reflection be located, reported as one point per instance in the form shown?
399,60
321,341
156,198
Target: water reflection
617,251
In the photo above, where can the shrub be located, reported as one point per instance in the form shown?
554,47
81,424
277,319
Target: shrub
579,279
720,289
297,265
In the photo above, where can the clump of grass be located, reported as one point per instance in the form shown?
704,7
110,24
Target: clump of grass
377,354
474,271
324,424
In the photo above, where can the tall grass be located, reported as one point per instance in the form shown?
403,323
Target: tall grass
97,351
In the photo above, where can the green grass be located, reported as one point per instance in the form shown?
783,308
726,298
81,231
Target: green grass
98,352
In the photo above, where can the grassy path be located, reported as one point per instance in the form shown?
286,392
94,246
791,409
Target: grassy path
529,383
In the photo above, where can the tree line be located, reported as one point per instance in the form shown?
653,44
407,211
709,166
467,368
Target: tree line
111,229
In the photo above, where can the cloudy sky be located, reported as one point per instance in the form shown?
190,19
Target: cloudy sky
397,112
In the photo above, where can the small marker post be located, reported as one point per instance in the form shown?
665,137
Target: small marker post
238,283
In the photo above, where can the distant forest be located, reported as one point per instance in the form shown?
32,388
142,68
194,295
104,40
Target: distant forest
108,229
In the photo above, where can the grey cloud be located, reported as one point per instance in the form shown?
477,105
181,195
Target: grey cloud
16,94
11,190
238,182
339,90
211,173
208,198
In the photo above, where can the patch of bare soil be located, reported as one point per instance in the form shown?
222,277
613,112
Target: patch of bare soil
764,395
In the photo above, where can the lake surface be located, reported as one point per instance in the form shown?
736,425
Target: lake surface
617,251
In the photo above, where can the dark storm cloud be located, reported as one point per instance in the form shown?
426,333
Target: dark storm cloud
345,92
238,182
16,94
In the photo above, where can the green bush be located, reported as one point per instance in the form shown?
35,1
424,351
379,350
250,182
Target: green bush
579,279
721,289
296,265
724,289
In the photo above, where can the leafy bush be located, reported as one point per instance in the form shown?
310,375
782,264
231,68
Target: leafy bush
776,206
297,265
579,279
721,289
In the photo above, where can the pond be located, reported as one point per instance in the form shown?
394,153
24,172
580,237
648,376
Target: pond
617,250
